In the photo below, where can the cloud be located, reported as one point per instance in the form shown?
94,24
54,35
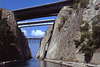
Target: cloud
24,31
37,33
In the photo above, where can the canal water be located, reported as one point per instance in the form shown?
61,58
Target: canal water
37,63
34,45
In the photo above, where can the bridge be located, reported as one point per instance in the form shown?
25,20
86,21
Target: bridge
50,9
36,23
34,40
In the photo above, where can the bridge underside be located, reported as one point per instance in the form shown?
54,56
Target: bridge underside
36,23
41,11
22,26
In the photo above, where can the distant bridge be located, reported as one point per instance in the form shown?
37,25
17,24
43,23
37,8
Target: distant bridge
51,9
34,40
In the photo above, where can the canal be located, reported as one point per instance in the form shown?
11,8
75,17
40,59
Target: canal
34,45
36,63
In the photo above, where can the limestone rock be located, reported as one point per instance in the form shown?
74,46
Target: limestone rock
61,45
44,44
22,49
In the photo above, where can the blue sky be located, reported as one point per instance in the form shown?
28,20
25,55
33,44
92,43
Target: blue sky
36,31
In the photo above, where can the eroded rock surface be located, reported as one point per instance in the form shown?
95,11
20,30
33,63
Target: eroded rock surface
21,51
41,54
66,30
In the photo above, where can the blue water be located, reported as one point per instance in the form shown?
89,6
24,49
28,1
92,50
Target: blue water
36,63
34,45
34,49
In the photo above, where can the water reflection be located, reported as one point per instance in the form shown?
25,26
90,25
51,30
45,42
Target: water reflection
49,64
36,63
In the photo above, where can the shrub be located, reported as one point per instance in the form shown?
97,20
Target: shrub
61,58
84,3
75,5
63,20
68,42
96,31
82,22
84,28
60,26
82,39
97,7
77,43
96,20
84,33
96,35
70,12
90,42
88,49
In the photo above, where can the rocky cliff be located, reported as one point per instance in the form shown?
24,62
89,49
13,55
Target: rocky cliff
13,44
75,35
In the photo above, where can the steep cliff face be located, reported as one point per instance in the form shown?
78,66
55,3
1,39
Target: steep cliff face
41,54
66,41
16,45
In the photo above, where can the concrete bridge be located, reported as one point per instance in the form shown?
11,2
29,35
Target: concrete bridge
36,23
51,9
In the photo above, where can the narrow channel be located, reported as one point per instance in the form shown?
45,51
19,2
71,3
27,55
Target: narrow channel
37,63
34,45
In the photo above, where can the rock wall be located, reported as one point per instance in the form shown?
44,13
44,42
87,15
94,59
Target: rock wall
41,54
61,45
22,49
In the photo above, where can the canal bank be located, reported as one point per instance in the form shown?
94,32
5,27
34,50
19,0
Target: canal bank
73,64
36,63
47,63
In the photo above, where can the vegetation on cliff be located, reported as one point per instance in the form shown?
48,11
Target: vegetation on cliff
8,47
83,3
60,25
89,40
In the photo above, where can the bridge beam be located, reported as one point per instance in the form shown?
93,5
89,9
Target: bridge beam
36,22
41,11
31,25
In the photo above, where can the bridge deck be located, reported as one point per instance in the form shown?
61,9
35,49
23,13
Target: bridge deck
37,22
31,25
33,38
41,11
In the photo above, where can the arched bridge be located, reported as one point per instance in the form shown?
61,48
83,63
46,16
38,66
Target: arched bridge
50,9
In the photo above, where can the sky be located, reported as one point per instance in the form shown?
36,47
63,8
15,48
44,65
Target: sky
33,32
30,32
